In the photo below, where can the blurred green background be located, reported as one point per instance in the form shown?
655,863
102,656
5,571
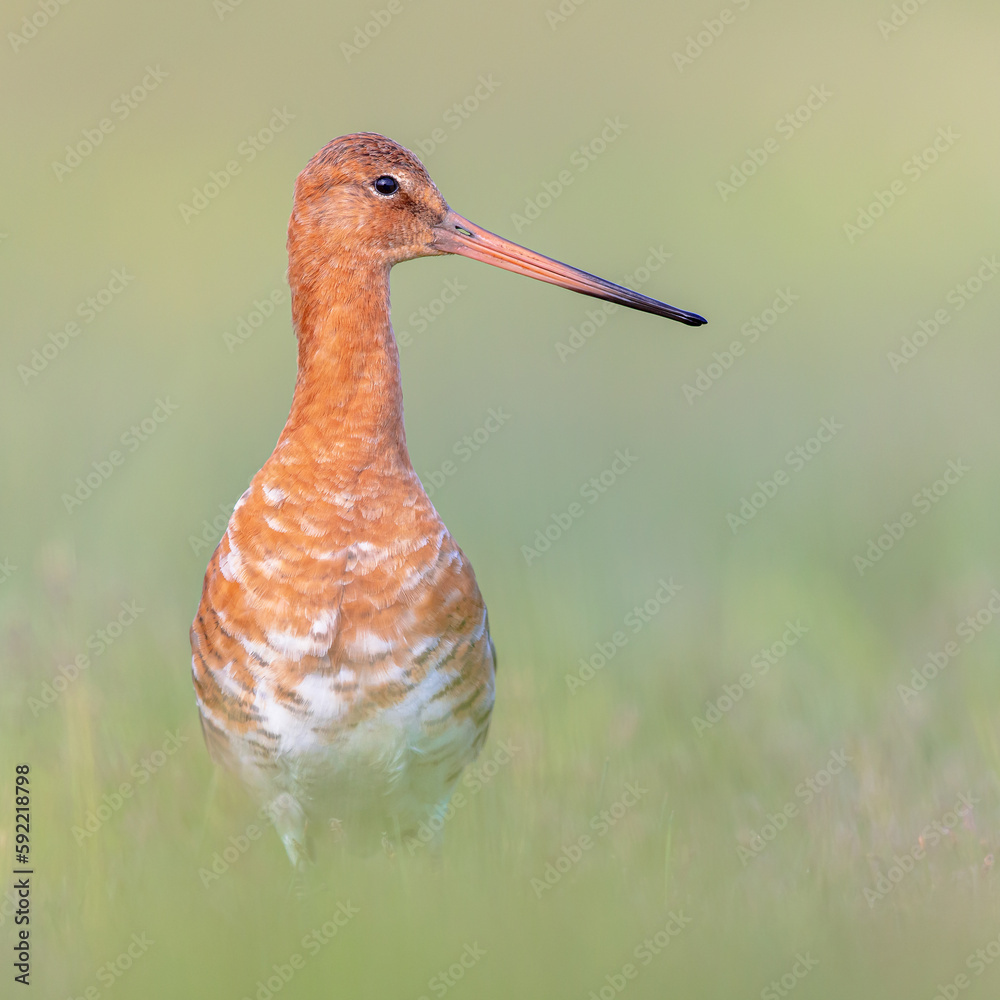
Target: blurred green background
878,882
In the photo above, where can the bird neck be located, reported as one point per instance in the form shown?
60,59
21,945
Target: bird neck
347,410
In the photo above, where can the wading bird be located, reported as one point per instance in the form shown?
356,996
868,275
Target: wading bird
341,653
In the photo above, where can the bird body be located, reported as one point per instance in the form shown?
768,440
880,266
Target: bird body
342,660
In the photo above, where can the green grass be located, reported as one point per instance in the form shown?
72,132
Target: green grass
676,849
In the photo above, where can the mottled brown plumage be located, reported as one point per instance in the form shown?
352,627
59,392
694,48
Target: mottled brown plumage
341,652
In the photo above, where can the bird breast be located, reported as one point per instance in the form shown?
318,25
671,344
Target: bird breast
341,629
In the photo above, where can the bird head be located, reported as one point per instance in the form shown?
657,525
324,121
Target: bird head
366,199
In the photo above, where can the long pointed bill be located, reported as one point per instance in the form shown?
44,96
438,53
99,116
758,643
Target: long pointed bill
455,234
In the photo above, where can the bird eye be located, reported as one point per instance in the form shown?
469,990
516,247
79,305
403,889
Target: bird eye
386,184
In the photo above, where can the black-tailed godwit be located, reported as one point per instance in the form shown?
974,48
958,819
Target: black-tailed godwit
342,656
